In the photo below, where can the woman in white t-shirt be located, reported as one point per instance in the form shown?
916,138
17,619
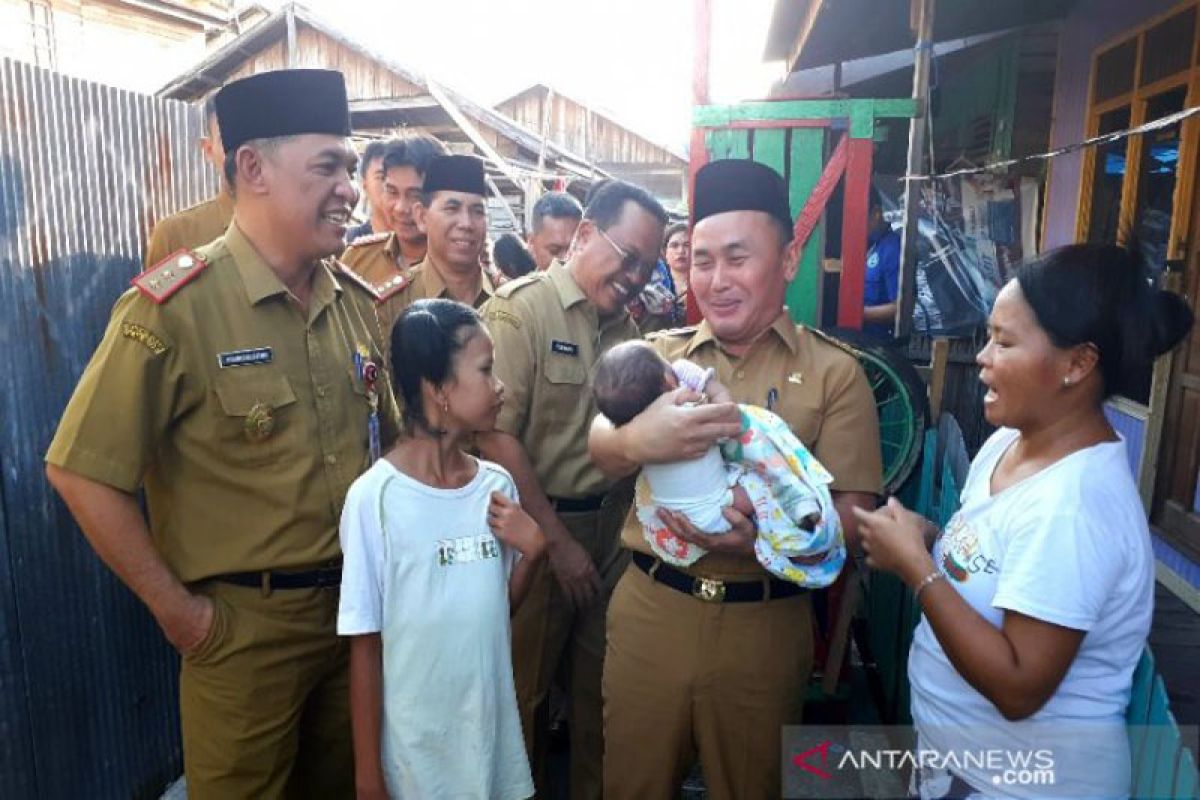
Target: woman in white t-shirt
436,552
1038,595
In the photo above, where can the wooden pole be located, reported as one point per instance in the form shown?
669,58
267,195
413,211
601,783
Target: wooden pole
290,18
856,205
921,11
697,151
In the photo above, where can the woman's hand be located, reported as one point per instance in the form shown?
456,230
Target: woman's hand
893,539
515,528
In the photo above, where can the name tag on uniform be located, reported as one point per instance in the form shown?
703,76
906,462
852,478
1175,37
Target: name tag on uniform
566,348
245,358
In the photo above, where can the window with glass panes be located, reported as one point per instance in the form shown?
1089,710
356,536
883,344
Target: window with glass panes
1135,185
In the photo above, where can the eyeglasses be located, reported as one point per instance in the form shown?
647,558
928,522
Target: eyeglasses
630,262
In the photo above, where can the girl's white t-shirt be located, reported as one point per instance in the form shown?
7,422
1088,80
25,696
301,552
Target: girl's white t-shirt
422,569
1071,546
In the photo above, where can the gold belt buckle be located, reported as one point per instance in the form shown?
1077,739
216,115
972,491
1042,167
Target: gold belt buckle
708,590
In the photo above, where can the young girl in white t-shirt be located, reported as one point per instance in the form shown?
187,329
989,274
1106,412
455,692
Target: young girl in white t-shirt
437,551
1037,599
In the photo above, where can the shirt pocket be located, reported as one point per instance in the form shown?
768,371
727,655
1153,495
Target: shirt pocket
255,414
801,411
566,386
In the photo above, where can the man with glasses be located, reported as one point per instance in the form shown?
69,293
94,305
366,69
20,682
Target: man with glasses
550,328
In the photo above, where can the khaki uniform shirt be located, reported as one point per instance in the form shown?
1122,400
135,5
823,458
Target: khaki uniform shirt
817,387
191,228
245,418
424,283
376,257
548,338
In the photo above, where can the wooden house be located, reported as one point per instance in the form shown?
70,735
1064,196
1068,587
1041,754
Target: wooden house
594,134
114,41
387,97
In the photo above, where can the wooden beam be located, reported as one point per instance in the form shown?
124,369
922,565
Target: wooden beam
811,179
698,150
814,206
779,124
469,128
373,105
768,110
498,194
702,22
293,56
922,12
805,29
856,205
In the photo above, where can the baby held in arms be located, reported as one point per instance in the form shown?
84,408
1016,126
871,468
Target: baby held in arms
766,474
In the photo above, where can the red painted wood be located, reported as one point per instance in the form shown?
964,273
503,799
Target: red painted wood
854,232
702,22
698,157
698,152
814,206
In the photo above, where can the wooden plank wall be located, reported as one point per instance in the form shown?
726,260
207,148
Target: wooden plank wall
585,132
366,79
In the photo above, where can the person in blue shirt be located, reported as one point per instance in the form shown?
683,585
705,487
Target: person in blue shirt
882,284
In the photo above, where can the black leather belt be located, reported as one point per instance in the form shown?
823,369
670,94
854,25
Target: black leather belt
323,578
569,505
714,591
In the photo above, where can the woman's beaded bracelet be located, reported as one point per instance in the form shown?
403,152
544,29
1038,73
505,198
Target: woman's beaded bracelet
928,579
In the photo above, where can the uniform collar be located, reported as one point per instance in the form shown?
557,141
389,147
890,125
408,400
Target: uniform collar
564,283
261,282
392,247
782,327
433,278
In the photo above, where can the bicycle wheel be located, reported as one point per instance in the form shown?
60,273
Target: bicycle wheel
901,400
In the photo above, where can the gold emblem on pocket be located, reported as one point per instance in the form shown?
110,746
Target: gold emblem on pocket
260,422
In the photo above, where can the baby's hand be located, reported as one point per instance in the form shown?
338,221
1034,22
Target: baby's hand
515,528
717,392
742,502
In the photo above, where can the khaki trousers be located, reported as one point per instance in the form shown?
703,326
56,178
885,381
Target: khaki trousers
264,701
686,678
550,639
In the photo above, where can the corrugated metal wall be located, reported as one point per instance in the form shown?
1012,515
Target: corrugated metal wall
87,683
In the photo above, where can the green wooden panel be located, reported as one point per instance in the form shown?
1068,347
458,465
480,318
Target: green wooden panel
984,90
728,144
883,627
1187,782
1139,696
807,163
769,149
719,116
1158,745
862,122
928,473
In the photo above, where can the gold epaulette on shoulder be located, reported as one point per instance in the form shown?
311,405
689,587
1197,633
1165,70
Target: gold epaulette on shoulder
369,238
833,340
170,275
687,330
393,286
528,279
379,292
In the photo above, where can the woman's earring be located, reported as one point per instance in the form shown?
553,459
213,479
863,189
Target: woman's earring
1066,381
